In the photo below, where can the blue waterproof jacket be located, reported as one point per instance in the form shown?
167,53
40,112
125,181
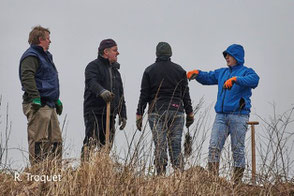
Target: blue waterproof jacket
237,99
46,77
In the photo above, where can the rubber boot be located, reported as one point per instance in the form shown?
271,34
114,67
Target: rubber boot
85,153
87,149
161,170
57,154
42,149
238,175
213,168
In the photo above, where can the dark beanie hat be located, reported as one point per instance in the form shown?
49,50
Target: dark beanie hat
163,49
106,43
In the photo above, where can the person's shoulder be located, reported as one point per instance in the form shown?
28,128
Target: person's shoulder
92,64
248,69
150,67
31,58
29,53
221,69
177,66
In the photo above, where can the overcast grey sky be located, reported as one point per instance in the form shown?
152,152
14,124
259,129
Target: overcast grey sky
198,32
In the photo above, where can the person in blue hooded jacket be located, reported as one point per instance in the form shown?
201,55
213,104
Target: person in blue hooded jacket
235,84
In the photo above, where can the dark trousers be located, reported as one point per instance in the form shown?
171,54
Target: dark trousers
96,130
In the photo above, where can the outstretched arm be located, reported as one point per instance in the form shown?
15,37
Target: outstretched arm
205,78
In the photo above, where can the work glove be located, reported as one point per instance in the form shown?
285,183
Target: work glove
59,107
122,122
229,83
107,96
189,119
192,74
36,104
139,120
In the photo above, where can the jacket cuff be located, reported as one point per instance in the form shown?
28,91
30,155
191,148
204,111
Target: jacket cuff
99,93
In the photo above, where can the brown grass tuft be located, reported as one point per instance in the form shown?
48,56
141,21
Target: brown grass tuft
103,176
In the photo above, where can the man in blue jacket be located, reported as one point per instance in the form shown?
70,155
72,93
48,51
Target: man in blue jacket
39,80
235,83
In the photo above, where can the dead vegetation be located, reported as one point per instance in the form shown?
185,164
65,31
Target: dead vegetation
102,176
110,174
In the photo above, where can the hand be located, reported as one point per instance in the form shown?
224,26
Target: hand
107,96
189,119
122,122
59,107
139,120
192,74
229,83
36,104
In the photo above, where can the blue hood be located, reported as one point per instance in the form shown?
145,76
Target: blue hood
236,51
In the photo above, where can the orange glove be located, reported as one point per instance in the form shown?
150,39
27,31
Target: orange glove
229,83
192,74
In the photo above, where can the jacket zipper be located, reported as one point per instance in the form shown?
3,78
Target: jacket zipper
223,101
110,76
225,91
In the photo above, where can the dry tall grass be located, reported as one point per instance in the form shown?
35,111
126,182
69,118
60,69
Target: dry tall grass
103,176
106,174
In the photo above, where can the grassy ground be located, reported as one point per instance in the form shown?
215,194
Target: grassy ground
103,176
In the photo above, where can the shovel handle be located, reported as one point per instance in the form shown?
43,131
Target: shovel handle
252,124
107,124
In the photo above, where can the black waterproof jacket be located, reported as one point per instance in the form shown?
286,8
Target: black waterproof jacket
165,87
100,75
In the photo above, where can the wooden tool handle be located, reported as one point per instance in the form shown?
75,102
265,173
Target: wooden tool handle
107,124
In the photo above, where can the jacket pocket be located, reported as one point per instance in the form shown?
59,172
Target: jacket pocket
242,104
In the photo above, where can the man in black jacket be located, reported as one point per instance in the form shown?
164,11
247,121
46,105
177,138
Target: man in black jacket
103,84
165,87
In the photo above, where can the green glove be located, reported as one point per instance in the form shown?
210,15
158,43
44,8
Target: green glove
59,107
36,104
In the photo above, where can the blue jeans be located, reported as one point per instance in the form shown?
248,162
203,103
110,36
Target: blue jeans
167,129
225,125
